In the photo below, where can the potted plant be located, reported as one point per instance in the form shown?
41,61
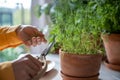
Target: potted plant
109,21
80,42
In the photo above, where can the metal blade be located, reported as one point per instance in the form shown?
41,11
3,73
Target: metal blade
47,50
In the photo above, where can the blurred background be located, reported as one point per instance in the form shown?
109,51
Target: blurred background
15,12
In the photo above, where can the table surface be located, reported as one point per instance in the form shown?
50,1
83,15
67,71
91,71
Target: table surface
54,74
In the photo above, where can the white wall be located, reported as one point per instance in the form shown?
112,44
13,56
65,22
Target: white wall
41,23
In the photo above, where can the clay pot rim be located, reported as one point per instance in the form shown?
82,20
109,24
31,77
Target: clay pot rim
95,76
68,53
110,36
112,66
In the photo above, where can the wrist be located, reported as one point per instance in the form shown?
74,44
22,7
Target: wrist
18,29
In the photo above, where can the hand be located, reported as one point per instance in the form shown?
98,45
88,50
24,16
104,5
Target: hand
30,35
26,68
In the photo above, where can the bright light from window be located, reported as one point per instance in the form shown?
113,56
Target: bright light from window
12,3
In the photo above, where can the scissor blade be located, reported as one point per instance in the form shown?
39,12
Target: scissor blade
47,50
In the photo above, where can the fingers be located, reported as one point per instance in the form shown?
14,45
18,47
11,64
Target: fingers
34,41
33,65
29,72
42,37
35,61
26,67
31,36
39,40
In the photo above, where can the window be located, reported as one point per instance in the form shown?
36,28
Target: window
6,19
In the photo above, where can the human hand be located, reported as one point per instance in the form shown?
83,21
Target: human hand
26,68
30,35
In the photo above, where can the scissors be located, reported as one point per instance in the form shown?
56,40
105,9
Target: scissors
42,58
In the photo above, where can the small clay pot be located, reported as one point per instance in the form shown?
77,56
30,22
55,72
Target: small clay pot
66,77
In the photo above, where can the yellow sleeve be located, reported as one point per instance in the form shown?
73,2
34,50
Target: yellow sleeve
8,37
6,71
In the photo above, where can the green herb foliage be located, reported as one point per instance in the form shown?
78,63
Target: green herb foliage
75,28
108,15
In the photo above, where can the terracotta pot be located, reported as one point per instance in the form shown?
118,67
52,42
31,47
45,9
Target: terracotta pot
66,77
80,65
112,66
112,47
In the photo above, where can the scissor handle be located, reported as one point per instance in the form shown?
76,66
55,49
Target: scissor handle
42,71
